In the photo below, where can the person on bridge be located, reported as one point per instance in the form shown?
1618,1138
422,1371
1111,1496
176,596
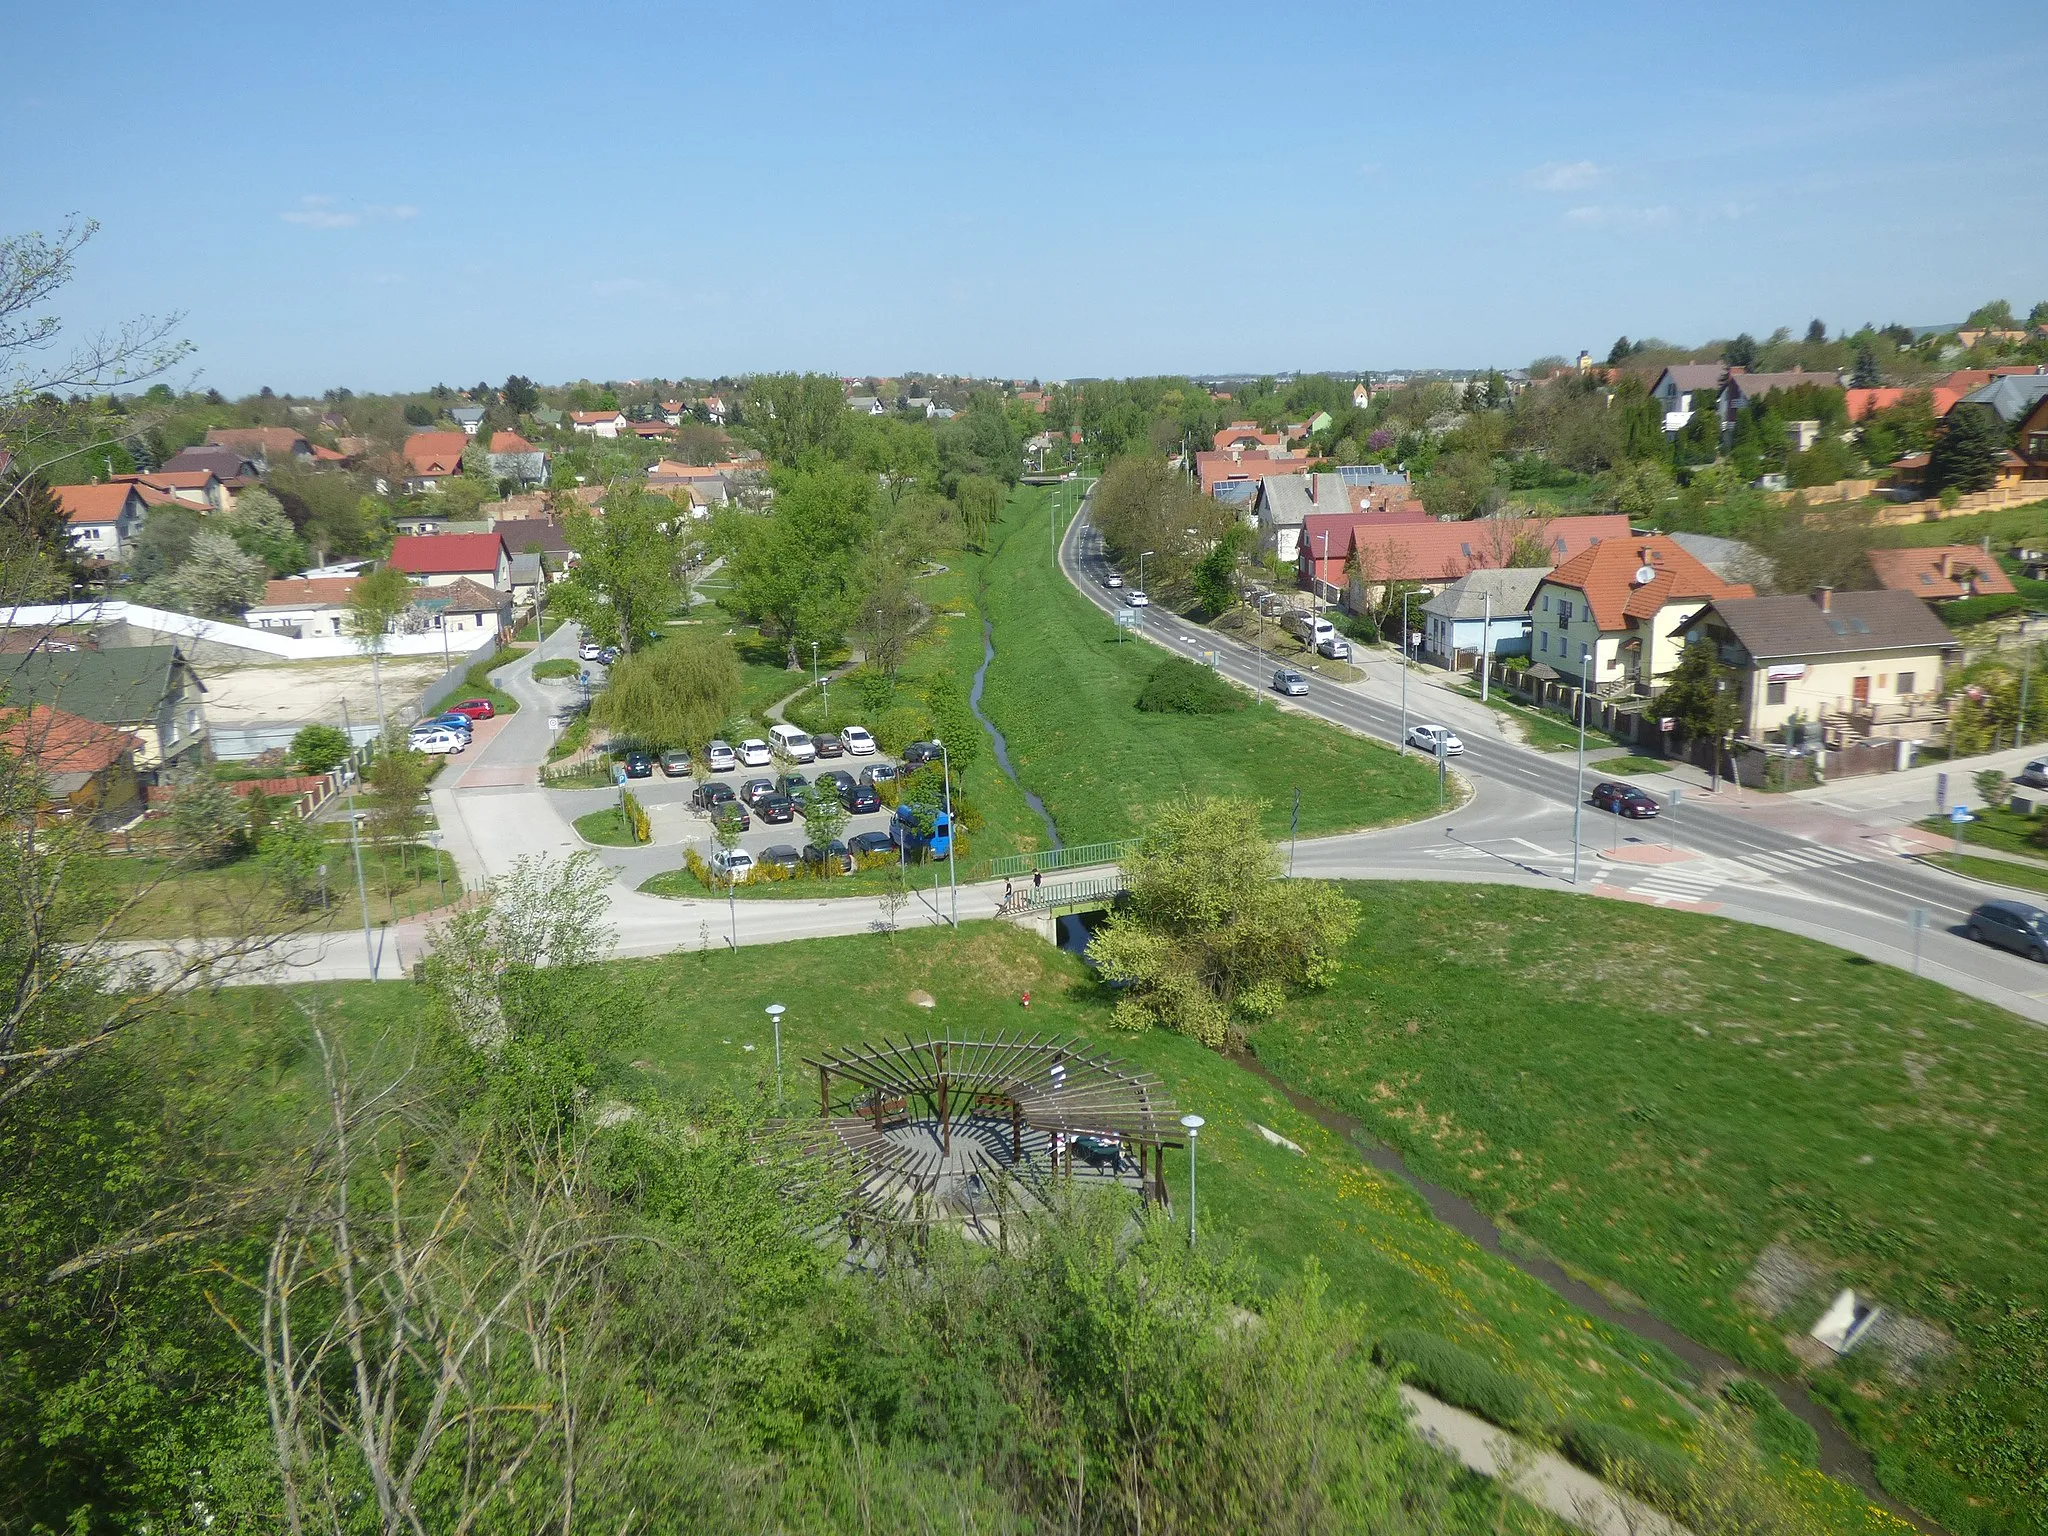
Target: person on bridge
1009,895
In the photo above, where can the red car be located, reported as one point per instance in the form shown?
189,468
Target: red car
476,709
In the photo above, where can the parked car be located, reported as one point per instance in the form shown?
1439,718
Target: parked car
676,763
732,814
1136,599
866,844
754,791
719,758
436,743
590,650
828,746
791,744
1113,581
838,780
473,709
709,796
754,753
860,799
1290,682
792,785
734,862
1427,736
1335,647
609,654
833,852
2034,775
856,740
921,752
878,773
2011,925
452,722
638,765
1624,800
782,855
776,810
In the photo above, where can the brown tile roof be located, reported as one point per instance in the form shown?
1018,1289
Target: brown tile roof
591,418
172,479
308,592
446,554
1780,628
63,743
464,596
95,503
1756,385
1215,468
435,453
510,442
1437,551
1607,573
267,440
1950,570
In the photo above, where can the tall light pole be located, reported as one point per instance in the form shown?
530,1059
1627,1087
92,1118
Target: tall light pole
1192,1124
952,876
775,1013
1485,646
1579,800
1404,674
355,844
1141,569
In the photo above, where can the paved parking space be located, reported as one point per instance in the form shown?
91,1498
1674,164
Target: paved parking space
678,824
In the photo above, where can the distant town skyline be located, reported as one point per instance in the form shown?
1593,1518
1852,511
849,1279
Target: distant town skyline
1091,192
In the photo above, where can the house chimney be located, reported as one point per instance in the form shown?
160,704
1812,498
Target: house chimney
1825,596
1941,565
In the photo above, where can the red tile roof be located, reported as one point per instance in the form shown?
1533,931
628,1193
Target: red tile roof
1607,574
1951,570
94,503
271,440
308,592
1436,551
63,743
510,442
1215,468
1864,401
446,554
435,453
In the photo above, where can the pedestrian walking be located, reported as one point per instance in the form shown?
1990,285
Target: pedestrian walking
1009,895
1037,880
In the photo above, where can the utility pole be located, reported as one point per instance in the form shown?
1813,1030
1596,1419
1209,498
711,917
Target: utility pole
2019,737
1404,674
355,843
1485,646
1579,800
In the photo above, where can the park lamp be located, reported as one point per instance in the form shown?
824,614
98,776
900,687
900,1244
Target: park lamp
1192,1124
775,1013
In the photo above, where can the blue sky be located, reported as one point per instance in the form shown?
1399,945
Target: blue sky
390,196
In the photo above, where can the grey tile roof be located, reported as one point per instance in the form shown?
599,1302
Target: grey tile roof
1512,591
2012,396
1686,377
1771,628
115,687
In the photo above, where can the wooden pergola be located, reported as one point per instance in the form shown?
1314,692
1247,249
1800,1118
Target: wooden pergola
998,1095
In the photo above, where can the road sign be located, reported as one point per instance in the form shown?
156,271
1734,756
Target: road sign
1443,748
1960,814
1129,618
1667,725
1677,795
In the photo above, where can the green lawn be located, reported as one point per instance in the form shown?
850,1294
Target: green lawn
477,684
2006,525
1063,690
1541,729
1654,1097
608,828
239,897
1630,763
1996,826
2021,877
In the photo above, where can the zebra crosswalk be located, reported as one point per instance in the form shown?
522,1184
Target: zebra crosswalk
1696,880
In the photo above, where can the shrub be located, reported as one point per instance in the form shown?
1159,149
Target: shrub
1179,687
556,666
636,816
1776,1428
896,728
318,748
1650,1469
1993,786
1460,1378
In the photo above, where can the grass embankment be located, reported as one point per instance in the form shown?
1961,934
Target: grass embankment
240,897
926,880
1541,729
1371,1237
607,828
477,684
1655,1097
1611,767
1063,690
1996,826
2030,876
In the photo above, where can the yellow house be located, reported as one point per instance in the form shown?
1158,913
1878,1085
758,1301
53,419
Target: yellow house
1867,662
1608,617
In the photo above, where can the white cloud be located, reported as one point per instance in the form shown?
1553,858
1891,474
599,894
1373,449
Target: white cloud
318,210
1595,217
1564,175
320,218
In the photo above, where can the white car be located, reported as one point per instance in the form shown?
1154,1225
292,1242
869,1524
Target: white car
590,650
718,757
736,862
754,753
1427,737
1112,581
436,743
1336,647
855,739
1136,599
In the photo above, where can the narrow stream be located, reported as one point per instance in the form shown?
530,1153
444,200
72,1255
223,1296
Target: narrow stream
1839,1455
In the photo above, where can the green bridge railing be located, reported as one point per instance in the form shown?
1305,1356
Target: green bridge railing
1078,857
1075,893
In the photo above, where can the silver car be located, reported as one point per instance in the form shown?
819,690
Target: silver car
1290,682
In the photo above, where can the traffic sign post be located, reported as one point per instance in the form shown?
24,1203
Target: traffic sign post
1959,817
1443,758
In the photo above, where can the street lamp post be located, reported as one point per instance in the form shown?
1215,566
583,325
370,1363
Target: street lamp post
355,842
1404,674
1579,800
775,1013
952,876
1141,569
1192,1124
1485,646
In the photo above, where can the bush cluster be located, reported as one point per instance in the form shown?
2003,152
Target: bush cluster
636,816
1178,687
1650,1469
1777,1429
1460,1378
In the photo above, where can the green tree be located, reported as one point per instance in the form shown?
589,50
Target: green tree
522,396
291,854
901,454
1213,935
1965,455
1618,353
627,578
207,818
257,522
398,778
981,441
1741,352
1701,696
676,694
1995,316
1215,574
1816,331
375,604
824,818
796,417
1867,374
981,499
953,719
889,616
318,748
217,579
37,561
793,571
164,541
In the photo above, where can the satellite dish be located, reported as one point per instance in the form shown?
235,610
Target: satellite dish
1645,574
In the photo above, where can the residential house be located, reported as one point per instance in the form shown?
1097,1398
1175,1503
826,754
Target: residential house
1283,500
466,611
1482,613
529,579
512,457
467,417
199,488
308,606
1247,434
865,405
1860,664
1941,574
1429,555
267,445
1214,469
1607,616
535,535
234,468
2011,399
598,423
1866,402
714,407
430,458
708,483
149,691
1676,386
1730,559
85,769
440,560
673,412
1742,387
104,519
1361,396
2031,439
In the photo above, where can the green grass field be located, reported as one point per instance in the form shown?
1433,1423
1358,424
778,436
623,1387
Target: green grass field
1541,729
1654,1097
477,683
1996,826
2007,525
2018,877
607,828
239,897
1609,767
1063,688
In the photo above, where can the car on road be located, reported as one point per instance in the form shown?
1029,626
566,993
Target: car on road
1290,682
732,814
919,753
638,765
866,844
1113,581
860,799
734,862
783,856
754,791
833,853
709,796
1624,800
1136,599
718,757
436,743
473,709
590,650
838,780
754,753
878,774
2012,925
776,810
676,763
1334,647
2034,775
1427,737
792,786
857,741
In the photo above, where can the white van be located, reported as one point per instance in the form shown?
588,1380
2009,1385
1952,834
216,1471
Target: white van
1311,629
792,745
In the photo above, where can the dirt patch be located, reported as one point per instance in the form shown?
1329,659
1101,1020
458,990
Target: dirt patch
293,693
1780,1279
